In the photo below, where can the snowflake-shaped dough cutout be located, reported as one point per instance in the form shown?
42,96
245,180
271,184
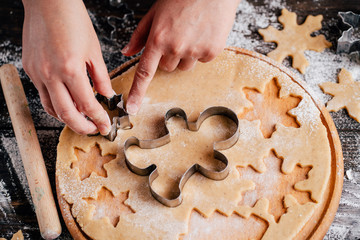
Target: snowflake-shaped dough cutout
294,39
346,94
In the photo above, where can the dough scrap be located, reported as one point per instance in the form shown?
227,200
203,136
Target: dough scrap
346,94
294,39
220,82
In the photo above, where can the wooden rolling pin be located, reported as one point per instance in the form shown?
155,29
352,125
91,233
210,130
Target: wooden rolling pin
45,209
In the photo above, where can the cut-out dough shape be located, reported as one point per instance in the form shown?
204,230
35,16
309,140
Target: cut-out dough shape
269,108
107,205
346,94
88,162
294,39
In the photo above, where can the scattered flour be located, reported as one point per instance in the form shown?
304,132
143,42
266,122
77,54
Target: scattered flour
12,150
337,233
323,67
350,176
10,54
112,41
5,201
249,19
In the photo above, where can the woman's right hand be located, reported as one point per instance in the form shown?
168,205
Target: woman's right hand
59,47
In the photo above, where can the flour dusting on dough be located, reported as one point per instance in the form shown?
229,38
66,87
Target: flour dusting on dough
204,195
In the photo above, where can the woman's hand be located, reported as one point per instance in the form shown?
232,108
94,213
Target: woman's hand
177,34
59,47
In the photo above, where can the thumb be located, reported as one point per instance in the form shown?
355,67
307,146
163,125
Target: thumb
100,77
139,36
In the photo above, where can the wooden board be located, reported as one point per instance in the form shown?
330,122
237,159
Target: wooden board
319,223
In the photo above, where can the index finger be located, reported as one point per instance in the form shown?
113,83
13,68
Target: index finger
145,72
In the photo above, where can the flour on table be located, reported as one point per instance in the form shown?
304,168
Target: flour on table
5,200
337,232
323,67
350,176
12,150
11,54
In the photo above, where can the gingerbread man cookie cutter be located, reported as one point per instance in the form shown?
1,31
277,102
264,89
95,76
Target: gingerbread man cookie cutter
121,120
151,170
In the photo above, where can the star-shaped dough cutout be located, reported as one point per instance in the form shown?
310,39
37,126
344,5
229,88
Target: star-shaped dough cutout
346,94
294,39
92,161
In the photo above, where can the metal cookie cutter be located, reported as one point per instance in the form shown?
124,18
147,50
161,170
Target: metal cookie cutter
151,170
349,42
121,121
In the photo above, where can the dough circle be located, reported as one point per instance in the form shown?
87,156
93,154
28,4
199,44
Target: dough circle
286,168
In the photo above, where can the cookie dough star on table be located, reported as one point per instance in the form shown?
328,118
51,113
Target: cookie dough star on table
294,39
346,94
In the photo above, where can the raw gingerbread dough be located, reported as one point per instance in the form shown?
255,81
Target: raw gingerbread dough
346,94
294,39
220,82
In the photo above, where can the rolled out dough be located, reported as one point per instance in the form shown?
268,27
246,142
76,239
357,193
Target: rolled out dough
239,207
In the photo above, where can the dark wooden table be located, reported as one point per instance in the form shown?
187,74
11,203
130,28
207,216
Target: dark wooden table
114,25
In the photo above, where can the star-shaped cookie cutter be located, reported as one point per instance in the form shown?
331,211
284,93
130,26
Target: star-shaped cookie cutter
348,42
151,170
121,120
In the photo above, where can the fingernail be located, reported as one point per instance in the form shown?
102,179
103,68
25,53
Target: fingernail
125,49
113,93
132,109
104,130
108,118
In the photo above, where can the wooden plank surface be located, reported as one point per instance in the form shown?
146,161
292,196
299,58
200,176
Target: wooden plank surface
15,208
